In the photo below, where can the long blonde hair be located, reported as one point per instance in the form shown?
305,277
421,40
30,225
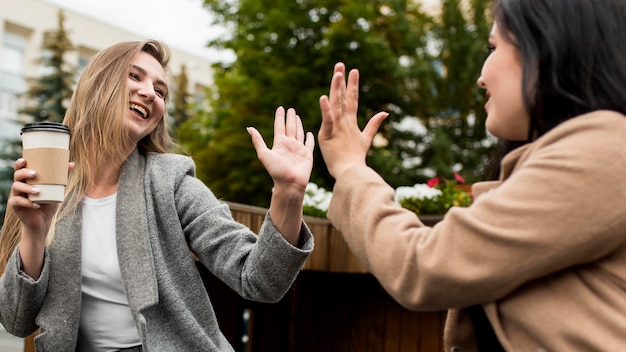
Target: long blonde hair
97,116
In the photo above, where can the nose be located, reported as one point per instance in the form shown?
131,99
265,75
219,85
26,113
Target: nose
146,90
481,83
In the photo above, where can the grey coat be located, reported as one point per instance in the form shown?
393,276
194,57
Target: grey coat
163,212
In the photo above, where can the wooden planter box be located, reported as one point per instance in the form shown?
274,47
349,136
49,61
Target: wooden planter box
331,253
335,305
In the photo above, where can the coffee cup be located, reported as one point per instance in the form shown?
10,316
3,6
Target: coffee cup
45,148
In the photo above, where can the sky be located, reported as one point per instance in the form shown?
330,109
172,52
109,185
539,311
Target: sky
183,24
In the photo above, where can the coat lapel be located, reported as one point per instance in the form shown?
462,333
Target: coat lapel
133,241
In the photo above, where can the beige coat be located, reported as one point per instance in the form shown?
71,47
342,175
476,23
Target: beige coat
544,251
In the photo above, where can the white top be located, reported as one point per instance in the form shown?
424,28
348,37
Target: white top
106,323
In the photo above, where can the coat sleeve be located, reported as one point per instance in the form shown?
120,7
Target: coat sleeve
21,297
562,206
259,267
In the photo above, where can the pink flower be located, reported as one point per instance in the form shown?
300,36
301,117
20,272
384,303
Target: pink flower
458,178
433,182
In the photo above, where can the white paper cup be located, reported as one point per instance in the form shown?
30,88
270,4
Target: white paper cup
46,150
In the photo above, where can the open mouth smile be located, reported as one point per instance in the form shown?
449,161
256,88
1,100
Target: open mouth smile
140,110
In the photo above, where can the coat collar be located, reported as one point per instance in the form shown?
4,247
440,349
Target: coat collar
510,162
133,239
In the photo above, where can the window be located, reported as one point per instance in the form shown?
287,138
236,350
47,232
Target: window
84,56
12,81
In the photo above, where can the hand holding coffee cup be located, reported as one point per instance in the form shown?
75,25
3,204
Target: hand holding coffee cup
46,150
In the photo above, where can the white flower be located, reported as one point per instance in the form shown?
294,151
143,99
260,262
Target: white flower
317,197
419,191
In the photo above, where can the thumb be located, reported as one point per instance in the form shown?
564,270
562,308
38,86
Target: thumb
373,125
257,139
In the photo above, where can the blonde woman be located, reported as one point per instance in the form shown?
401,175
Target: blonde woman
111,269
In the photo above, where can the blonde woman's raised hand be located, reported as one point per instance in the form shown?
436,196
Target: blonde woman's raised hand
290,160
342,143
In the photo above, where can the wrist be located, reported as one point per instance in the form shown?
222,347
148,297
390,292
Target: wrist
339,170
289,192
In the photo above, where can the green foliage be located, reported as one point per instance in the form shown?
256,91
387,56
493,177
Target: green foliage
412,64
311,210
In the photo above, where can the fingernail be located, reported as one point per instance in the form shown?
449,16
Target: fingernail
31,173
20,160
36,205
35,190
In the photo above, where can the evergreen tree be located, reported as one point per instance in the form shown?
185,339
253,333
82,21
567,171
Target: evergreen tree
48,95
285,53
46,99
180,102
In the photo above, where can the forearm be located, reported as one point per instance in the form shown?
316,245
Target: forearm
286,211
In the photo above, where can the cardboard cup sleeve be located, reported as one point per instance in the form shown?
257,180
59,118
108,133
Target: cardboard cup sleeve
50,164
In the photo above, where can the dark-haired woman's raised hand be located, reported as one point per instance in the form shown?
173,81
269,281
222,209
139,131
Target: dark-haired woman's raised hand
342,143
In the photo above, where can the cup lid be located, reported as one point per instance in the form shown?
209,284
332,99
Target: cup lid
46,126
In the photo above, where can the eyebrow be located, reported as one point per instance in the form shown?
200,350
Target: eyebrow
145,73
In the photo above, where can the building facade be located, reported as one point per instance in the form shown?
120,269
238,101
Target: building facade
24,25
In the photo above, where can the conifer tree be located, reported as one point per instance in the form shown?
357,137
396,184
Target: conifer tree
48,95
180,102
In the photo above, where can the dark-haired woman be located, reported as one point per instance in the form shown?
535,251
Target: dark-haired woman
538,261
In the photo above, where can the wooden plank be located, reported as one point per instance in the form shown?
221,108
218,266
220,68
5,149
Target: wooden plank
393,336
409,326
431,331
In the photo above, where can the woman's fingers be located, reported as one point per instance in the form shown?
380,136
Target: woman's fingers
299,130
337,89
19,195
351,99
343,98
288,124
70,167
279,122
23,174
19,163
291,124
257,140
327,116
373,125
20,189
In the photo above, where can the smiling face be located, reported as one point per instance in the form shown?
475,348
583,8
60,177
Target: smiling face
501,77
148,90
